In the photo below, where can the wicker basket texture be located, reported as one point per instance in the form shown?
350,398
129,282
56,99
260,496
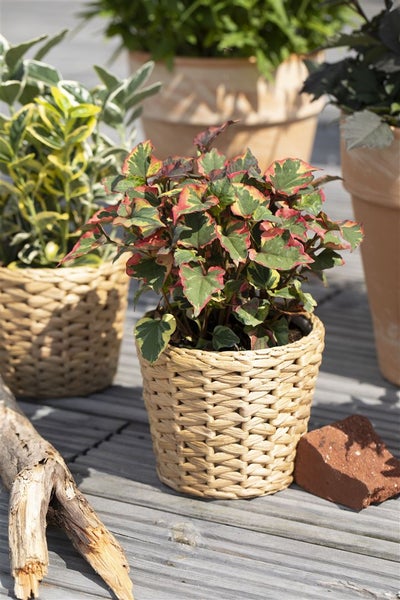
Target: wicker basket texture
226,424
61,329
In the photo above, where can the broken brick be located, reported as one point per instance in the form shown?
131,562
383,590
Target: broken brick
348,463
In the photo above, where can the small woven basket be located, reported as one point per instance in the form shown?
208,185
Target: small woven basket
61,329
227,424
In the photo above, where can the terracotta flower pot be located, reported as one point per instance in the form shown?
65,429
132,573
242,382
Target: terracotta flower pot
275,120
372,177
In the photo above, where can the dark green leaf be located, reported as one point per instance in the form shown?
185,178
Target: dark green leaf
224,337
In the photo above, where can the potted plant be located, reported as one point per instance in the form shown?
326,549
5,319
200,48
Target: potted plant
365,85
60,329
233,59
231,351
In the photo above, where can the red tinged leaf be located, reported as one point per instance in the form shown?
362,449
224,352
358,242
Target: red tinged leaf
193,199
251,203
147,270
204,139
289,175
104,215
235,239
89,241
199,286
278,253
151,243
141,163
293,222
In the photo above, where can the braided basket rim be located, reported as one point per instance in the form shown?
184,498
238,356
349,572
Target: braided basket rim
316,332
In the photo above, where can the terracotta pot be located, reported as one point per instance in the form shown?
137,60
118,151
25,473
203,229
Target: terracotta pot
61,329
227,424
372,177
275,121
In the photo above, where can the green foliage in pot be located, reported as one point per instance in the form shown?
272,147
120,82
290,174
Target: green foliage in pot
269,30
55,150
225,247
365,84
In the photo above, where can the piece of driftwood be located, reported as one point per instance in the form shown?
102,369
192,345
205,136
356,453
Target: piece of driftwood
42,489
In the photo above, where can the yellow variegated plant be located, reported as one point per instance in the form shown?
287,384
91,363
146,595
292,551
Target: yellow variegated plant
54,151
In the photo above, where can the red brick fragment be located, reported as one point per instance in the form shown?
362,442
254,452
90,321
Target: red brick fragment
348,463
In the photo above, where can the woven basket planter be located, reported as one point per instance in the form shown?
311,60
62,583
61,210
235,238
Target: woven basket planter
61,329
226,424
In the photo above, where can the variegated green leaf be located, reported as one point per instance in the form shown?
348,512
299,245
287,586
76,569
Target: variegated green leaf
276,253
192,199
199,286
288,176
198,230
147,270
250,203
153,335
235,238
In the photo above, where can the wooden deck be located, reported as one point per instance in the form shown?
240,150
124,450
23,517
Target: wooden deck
287,546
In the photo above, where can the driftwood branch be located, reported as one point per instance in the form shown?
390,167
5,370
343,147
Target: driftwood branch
42,489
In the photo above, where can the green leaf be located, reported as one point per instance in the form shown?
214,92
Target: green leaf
211,161
133,99
148,270
9,91
153,335
6,152
185,256
235,238
327,259
43,73
366,129
16,53
224,337
276,254
146,217
262,278
250,203
43,136
289,175
352,233
50,43
198,230
280,330
136,166
310,203
193,199
140,76
295,292
199,286
80,134
110,81
84,111
254,312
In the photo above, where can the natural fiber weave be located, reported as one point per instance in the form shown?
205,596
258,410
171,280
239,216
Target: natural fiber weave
226,424
61,329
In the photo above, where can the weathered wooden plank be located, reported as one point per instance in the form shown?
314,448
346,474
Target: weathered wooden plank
293,513
72,433
176,556
227,549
